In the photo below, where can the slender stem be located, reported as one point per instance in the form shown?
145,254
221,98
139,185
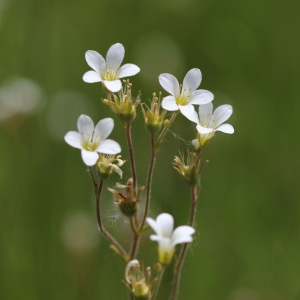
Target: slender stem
136,238
132,296
159,278
101,227
131,155
164,131
138,232
181,257
109,96
93,180
149,180
154,147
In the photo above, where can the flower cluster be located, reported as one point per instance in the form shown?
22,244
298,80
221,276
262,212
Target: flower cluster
102,157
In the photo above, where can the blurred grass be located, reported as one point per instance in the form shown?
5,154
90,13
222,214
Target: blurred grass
247,243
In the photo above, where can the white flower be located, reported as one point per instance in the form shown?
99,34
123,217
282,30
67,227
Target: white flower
167,238
92,140
109,71
183,98
209,122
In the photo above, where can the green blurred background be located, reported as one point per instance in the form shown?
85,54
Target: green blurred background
247,243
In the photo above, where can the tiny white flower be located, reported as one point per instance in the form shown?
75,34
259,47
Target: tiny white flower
167,238
185,96
109,71
92,140
209,122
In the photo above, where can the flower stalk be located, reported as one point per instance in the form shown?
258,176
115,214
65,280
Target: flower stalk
115,245
183,251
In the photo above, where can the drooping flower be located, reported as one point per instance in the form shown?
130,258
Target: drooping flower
167,238
137,281
109,71
209,122
184,97
92,140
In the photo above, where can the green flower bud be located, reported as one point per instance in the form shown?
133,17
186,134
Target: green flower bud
189,170
153,118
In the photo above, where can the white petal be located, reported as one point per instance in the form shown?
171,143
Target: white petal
205,112
91,77
165,246
169,103
201,97
113,86
85,125
132,263
182,234
203,130
109,147
165,223
152,223
73,138
104,128
117,170
192,80
226,128
196,144
89,158
157,238
128,70
114,56
169,83
221,114
189,112
95,60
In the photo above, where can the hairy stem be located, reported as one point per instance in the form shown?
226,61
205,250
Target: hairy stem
93,180
157,284
101,227
136,237
164,131
181,257
131,155
149,180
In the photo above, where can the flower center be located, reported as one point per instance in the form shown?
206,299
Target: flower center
110,74
183,98
91,143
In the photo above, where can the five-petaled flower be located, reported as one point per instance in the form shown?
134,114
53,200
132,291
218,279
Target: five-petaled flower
108,72
93,140
184,97
209,122
167,238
